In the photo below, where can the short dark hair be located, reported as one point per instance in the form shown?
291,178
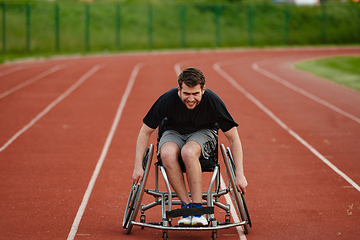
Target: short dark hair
191,77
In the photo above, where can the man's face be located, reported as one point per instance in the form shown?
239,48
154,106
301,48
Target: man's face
190,96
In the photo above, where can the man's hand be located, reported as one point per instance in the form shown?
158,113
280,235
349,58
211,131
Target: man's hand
141,146
138,175
241,183
236,149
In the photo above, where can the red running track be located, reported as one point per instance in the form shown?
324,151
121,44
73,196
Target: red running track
68,130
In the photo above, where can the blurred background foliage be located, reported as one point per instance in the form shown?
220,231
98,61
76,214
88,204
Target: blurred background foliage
45,27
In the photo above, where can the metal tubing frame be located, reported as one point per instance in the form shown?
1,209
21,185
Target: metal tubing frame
224,226
169,196
166,198
210,195
207,196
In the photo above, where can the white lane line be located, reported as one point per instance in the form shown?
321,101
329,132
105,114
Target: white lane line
31,80
50,106
11,70
283,125
256,68
99,164
177,68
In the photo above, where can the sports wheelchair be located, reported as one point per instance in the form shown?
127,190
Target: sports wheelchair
217,188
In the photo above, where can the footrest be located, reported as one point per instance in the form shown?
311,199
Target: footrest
189,212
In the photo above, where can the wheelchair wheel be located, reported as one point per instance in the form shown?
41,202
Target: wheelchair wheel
237,197
136,193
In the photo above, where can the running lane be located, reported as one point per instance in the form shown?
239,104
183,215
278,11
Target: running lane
301,197
292,193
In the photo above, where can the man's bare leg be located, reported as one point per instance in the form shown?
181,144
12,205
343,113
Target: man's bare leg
190,154
170,153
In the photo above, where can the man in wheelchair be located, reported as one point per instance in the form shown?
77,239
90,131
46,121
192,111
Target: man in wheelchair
193,116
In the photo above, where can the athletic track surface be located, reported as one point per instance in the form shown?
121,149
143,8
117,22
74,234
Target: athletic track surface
68,128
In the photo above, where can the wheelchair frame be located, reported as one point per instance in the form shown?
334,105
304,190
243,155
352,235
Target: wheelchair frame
210,198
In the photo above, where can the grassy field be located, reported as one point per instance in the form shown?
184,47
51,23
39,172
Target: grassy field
35,27
343,70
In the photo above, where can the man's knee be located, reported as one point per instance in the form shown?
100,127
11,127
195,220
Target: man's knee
190,151
169,153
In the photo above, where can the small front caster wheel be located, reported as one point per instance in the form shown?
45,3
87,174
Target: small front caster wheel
165,235
214,235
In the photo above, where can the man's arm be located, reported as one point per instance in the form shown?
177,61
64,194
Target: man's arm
236,150
141,146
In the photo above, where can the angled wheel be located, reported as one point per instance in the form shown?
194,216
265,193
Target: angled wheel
130,206
238,198
136,193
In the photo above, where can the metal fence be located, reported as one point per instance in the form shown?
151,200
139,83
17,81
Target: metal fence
82,27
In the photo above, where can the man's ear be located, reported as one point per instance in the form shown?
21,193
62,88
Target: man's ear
203,90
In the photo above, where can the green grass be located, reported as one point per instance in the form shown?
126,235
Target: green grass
62,27
343,70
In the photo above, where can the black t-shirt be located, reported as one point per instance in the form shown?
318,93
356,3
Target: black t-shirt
211,113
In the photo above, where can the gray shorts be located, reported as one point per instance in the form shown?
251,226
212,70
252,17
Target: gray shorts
206,138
